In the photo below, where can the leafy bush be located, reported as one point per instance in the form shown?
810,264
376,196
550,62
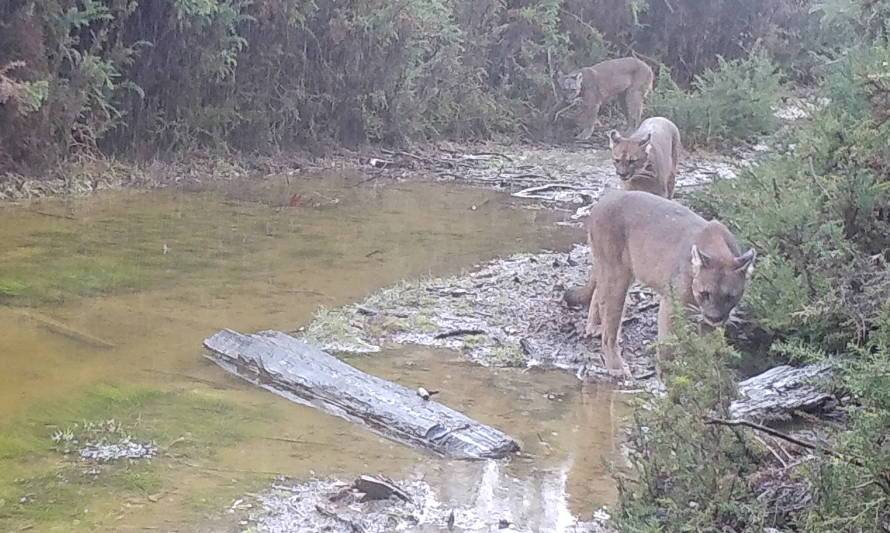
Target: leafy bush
855,497
820,216
689,474
733,102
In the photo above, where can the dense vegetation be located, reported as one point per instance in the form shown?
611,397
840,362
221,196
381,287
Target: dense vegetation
818,212
143,78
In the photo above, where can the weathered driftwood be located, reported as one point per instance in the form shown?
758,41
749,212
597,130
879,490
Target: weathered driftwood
776,393
304,374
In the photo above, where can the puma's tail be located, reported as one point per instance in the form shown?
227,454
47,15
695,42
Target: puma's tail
580,296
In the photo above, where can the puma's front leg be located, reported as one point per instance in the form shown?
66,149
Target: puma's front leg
663,353
589,117
593,317
611,293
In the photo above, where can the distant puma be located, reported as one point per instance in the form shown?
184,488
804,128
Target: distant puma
647,160
596,84
637,235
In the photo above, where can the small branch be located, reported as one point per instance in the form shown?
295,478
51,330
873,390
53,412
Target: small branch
52,215
459,333
784,436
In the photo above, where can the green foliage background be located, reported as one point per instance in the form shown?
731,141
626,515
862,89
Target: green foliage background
144,78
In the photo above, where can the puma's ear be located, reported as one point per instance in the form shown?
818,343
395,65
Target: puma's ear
614,138
645,141
745,262
699,260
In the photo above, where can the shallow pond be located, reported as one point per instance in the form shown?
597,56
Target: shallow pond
104,303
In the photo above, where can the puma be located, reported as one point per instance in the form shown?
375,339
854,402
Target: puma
592,86
637,235
647,160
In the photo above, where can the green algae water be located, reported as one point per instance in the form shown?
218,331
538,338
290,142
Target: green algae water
104,303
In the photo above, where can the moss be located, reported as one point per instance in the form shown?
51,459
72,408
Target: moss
424,323
138,245
38,485
511,356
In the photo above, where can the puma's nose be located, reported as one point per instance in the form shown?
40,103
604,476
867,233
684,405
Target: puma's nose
716,321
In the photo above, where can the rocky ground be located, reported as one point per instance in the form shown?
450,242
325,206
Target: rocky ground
509,312
298,506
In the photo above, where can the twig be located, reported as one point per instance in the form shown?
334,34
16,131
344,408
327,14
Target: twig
772,451
784,436
459,333
552,74
207,382
566,108
53,215
294,441
223,470
366,180
67,331
493,154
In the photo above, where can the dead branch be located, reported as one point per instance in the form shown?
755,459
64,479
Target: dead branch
784,436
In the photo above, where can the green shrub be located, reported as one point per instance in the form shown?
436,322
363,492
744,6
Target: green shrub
819,216
734,102
689,475
851,497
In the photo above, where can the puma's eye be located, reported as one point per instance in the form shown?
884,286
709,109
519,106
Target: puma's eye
704,296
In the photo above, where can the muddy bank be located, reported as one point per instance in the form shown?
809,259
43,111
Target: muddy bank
548,175
573,173
509,312
568,174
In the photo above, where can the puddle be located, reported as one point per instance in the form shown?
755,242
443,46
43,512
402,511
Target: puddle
104,303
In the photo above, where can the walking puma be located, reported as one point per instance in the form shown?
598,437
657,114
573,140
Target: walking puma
637,235
596,84
647,160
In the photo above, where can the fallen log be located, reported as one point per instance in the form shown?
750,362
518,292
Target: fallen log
778,392
306,375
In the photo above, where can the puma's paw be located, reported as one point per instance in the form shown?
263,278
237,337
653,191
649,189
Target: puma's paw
622,373
591,331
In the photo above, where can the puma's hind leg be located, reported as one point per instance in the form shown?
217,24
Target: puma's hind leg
633,104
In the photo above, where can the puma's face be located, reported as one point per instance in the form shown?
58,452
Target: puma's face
630,156
717,286
571,85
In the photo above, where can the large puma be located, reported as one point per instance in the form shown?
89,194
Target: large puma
595,84
647,160
637,235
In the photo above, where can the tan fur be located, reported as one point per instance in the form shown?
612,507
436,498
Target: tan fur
596,84
647,160
637,235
